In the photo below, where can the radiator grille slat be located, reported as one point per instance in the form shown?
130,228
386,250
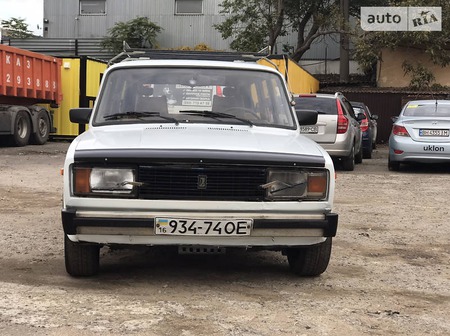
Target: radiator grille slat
202,183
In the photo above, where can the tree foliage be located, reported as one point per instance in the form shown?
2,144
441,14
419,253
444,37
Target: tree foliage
252,24
137,33
421,77
16,28
436,44
255,24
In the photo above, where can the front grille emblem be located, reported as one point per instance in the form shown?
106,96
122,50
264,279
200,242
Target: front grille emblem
202,181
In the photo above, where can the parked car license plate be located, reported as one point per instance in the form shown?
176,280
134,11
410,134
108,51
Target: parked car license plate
434,132
203,227
313,129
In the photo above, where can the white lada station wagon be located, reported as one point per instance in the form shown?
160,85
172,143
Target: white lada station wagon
198,155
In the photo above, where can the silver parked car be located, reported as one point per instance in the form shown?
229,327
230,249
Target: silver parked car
337,129
421,133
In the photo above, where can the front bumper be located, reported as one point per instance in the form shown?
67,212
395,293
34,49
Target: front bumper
123,228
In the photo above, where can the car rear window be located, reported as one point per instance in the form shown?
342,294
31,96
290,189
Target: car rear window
321,105
358,110
426,110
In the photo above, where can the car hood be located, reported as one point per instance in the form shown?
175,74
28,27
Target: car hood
197,137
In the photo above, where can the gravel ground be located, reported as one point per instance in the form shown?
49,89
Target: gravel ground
389,273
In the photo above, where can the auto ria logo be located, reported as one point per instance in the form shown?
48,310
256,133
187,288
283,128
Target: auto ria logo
401,18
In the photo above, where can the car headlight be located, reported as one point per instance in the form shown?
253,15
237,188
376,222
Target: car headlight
296,184
92,181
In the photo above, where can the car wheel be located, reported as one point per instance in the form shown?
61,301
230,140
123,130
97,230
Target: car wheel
359,155
348,163
367,152
43,129
81,259
22,129
310,261
393,166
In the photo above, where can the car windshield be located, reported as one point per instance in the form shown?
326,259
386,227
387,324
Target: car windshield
427,110
194,95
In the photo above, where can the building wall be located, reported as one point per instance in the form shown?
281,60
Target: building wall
391,74
65,21
62,20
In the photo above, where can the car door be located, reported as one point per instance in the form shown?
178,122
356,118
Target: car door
353,122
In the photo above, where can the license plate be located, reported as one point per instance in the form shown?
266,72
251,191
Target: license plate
314,129
434,132
203,227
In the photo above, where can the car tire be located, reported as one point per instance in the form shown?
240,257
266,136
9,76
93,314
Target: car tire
22,129
310,261
42,129
81,259
348,162
367,152
393,165
359,155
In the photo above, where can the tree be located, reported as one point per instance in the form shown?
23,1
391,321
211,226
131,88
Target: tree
312,19
16,28
137,33
255,24
436,44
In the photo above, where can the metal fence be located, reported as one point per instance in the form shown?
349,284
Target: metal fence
63,47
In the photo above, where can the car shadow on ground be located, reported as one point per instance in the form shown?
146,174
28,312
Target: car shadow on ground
167,263
425,168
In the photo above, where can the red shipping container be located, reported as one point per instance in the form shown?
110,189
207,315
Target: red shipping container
28,78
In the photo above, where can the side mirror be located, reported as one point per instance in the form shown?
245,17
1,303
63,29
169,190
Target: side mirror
80,115
306,117
375,116
394,119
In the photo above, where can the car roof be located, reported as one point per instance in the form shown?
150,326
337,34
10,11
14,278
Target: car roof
361,104
317,95
429,101
193,63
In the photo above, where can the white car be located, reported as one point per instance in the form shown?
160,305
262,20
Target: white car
421,133
337,130
199,155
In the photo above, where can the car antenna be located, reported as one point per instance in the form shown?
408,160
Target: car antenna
433,97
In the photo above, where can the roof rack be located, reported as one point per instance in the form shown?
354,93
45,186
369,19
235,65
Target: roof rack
133,54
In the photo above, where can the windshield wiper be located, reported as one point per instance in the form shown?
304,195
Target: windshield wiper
139,115
215,115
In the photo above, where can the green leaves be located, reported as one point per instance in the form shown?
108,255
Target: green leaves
436,44
137,33
16,28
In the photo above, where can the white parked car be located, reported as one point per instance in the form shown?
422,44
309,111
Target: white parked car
199,155
421,133
337,130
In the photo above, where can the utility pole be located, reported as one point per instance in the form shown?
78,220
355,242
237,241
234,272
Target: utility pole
344,48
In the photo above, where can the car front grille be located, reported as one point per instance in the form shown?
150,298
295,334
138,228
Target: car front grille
215,183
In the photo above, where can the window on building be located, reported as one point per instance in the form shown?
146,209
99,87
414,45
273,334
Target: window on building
188,7
92,7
